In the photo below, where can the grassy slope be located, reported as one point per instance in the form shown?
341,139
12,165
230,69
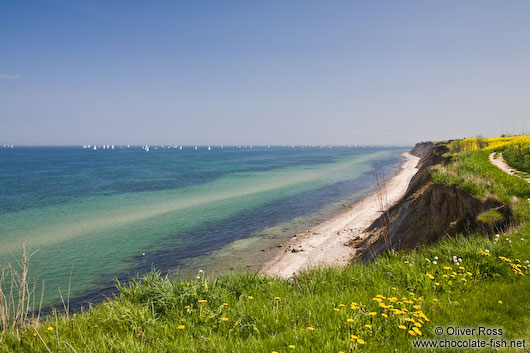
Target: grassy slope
147,315
518,158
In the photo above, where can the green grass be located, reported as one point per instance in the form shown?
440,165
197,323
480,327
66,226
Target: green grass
518,157
473,173
490,217
156,314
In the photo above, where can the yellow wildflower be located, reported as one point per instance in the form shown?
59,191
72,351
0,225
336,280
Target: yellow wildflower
500,302
368,326
412,333
430,276
277,298
417,331
50,328
360,341
201,301
292,346
311,328
181,327
349,320
250,297
224,319
403,327
372,313
428,260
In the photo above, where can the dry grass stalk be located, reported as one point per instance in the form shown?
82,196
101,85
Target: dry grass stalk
382,201
15,291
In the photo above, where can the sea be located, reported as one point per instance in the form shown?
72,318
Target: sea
93,217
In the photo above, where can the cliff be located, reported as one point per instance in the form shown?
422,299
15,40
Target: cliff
427,212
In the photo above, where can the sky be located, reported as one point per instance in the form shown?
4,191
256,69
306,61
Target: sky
262,72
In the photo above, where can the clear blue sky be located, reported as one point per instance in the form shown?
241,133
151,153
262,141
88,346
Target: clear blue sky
262,72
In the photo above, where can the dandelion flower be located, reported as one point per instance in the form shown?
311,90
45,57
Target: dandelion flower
224,319
202,301
394,288
403,327
353,338
50,328
311,328
435,300
417,331
349,321
368,326
292,346
428,260
341,305
412,333
430,276
277,298
500,302
384,315
181,327
360,341
336,309
372,313
250,297
225,304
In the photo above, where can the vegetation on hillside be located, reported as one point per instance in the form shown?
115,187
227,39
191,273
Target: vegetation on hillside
377,307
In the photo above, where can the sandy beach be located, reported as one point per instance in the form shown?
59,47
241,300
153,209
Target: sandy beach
326,244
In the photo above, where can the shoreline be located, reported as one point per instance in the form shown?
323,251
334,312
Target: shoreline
326,244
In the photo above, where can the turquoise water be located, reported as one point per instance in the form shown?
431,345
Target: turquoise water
93,213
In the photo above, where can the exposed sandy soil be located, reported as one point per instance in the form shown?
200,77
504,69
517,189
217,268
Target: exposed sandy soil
326,244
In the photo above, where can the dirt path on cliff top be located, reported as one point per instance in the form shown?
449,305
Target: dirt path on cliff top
500,163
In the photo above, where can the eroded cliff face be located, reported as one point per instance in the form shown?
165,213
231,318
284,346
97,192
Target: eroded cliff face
427,212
